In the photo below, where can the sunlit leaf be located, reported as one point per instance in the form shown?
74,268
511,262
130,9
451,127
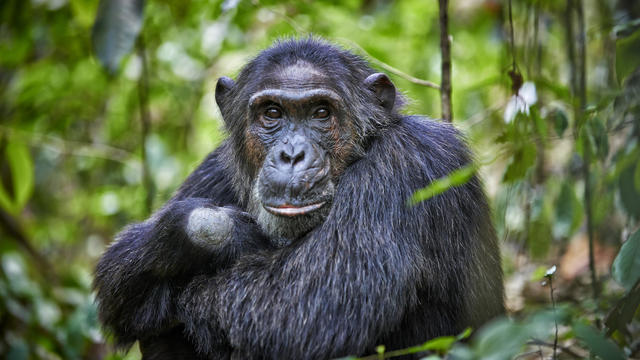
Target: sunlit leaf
117,25
626,266
597,343
438,186
21,169
465,334
539,273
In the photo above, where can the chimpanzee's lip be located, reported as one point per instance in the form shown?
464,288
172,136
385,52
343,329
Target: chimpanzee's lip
292,210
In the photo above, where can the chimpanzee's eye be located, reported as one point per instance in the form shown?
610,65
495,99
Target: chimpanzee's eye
321,113
272,113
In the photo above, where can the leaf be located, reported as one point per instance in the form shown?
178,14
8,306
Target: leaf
539,273
464,334
597,343
442,343
622,314
626,266
522,160
539,229
500,339
629,196
117,25
560,121
541,125
627,59
597,136
21,169
568,211
438,186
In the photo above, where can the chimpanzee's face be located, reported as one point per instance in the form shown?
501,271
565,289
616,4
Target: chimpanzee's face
294,130
299,131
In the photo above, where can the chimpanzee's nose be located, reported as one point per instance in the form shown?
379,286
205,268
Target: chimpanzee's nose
295,154
291,155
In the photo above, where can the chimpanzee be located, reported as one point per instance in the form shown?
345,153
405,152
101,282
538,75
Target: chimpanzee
294,239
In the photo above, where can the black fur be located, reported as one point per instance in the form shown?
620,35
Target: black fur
372,271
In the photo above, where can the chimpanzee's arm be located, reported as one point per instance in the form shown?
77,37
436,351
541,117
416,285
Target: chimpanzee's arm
143,271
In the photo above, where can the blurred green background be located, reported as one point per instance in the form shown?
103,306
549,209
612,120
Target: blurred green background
100,124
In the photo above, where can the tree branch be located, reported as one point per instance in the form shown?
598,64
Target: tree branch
445,46
391,69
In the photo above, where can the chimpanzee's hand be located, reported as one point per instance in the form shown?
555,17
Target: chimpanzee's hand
225,230
210,227
194,232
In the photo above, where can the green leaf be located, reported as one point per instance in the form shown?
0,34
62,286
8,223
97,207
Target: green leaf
438,186
597,137
21,170
522,160
117,25
622,313
464,334
560,121
500,339
539,228
442,343
597,343
629,195
541,125
539,273
626,266
568,212
627,59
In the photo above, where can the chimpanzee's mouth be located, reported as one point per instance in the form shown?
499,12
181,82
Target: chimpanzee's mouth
293,210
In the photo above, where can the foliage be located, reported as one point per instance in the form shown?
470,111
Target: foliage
106,106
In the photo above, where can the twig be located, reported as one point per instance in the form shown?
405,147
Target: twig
512,41
145,120
445,47
69,147
389,68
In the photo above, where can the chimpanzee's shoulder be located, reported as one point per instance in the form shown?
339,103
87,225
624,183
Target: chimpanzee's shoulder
211,179
434,139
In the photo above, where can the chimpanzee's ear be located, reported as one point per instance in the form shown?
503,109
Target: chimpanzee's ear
223,87
384,89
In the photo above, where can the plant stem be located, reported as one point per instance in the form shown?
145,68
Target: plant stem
555,321
586,173
145,120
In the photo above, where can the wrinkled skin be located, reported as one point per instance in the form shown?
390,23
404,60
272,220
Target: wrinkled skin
293,239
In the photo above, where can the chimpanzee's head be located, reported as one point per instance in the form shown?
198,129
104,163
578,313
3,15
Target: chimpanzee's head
299,114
